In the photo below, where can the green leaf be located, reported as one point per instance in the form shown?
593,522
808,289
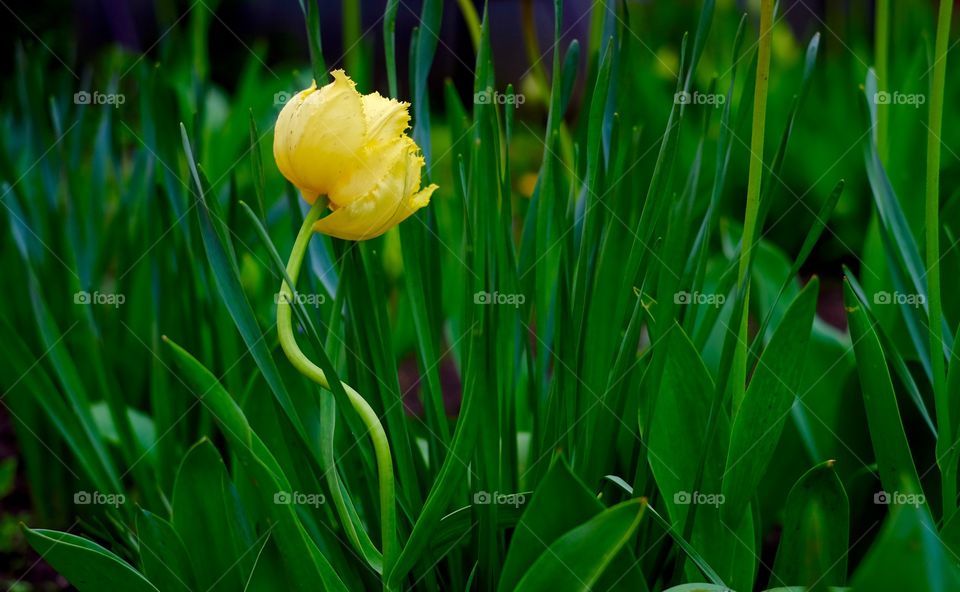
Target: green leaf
202,502
897,470
814,545
226,274
390,44
271,571
256,166
908,555
682,408
893,354
560,502
72,385
292,540
144,430
314,42
677,439
692,553
577,560
813,235
766,404
85,564
162,554
422,55
908,271
61,416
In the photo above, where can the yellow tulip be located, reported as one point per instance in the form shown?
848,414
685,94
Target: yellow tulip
353,149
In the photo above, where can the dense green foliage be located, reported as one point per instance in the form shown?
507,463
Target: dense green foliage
650,368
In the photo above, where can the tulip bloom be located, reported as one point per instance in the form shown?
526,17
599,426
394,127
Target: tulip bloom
354,150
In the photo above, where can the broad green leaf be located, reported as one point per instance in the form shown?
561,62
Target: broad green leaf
577,560
897,470
682,407
162,554
816,532
270,572
86,565
202,504
677,439
291,538
893,353
766,404
908,555
692,553
560,502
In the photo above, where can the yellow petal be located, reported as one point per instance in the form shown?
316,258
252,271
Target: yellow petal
320,135
281,152
358,222
376,162
387,119
392,201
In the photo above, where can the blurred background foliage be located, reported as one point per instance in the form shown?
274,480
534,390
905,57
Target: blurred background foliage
99,38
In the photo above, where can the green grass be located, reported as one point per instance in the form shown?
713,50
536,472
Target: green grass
624,377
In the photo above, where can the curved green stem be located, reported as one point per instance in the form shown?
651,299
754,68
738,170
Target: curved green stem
378,436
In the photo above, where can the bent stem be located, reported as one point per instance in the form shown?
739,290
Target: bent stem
369,417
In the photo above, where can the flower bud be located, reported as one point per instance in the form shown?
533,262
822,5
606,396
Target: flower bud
353,149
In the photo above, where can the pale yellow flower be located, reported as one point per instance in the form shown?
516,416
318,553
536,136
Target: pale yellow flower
353,149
